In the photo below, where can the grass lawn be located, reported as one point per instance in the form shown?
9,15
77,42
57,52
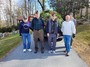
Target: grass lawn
8,43
81,42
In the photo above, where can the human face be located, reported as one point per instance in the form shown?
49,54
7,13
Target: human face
25,20
67,18
71,17
53,17
37,15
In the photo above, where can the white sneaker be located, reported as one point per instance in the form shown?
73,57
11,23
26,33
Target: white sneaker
54,52
24,50
30,50
50,51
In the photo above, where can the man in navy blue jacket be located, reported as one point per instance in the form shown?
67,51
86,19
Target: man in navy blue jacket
52,31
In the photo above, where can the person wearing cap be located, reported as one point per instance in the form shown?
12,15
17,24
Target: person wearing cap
38,33
24,27
68,29
52,31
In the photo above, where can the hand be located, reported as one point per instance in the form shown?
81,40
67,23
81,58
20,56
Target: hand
58,34
20,34
48,34
31,31
73,35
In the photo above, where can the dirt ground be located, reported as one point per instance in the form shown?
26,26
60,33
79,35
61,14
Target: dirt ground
83,50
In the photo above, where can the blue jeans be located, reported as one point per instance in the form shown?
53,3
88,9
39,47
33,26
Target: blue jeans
26,38
52,41
67,41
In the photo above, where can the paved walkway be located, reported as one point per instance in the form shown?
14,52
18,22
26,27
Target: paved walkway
19,59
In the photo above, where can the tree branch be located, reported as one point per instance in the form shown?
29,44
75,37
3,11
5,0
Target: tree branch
40,3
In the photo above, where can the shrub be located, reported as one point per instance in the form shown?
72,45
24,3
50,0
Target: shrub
46,15
8,29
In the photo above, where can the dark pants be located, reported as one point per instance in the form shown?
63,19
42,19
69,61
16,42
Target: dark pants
52,41
39,35
71,41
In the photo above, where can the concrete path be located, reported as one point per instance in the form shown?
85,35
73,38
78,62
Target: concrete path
19,59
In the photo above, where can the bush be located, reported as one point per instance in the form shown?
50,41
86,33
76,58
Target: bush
8,29
46,15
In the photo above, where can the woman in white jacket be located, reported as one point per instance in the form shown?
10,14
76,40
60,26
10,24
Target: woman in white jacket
68,29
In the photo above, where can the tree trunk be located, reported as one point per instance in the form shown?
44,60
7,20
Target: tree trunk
10,3
81,13
42,4
25,6
87,9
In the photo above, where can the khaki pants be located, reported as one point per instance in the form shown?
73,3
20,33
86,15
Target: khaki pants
39,34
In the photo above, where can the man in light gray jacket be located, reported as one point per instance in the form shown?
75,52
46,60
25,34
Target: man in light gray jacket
68,29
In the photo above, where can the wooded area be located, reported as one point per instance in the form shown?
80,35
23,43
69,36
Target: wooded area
28,7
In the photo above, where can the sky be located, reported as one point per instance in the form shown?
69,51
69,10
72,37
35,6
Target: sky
19,2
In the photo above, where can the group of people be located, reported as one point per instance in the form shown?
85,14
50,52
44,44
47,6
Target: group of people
52,29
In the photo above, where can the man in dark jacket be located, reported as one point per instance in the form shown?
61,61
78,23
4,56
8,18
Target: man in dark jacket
24,27
38,26
52,31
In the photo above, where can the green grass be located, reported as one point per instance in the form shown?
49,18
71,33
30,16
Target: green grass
83,34
8,43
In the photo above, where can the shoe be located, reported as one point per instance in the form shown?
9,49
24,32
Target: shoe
64,51
54,52
36,51
50,51
67,54
24,50
70,47
30,50
42,51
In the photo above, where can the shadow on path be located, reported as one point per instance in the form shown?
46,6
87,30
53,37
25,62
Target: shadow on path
18,54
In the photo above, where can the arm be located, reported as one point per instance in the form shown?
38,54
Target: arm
47,27
32,24
42,23
58,27
73,29
62,27
20,27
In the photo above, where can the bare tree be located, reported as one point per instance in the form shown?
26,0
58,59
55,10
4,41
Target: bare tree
25,6
10,6
8,16
87,6
42,3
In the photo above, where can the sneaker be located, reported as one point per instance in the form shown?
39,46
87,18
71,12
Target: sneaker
64,51
50,51
36,51
67,54
71,47
30,50
24,50
54,52
42,51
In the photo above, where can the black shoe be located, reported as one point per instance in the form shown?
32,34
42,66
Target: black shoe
35,51
67,54
64,51
42,51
